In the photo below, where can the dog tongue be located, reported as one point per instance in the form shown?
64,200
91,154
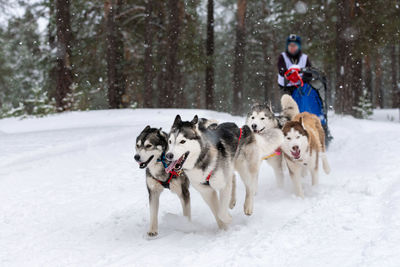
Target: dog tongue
172,165
296,153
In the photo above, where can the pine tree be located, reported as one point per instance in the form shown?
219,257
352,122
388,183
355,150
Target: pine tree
364,109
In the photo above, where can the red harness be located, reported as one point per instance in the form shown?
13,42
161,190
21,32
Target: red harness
173,174
207,182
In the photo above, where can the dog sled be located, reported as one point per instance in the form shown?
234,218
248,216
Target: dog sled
312,84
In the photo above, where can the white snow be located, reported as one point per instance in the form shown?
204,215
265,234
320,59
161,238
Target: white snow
72,195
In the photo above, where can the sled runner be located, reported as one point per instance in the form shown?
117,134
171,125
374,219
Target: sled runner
308,94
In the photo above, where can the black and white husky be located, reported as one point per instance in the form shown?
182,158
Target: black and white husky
206,155
260,119
151,145
209,156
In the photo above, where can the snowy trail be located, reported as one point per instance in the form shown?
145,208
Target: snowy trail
71,195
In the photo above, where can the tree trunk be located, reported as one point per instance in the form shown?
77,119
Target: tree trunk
239,58
116,79
172,76
210,56
161,54
368,77
378,97
356,84
148,58
63,69
348,73
395,103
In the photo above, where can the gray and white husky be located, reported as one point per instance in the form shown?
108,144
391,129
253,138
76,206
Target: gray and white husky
151,145
209,156
206,155
260,119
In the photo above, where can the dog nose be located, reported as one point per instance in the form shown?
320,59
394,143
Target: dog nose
295,148
137,157
169,156
254,126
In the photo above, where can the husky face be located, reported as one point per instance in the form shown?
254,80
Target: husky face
184,145
295,143
150,144
261,118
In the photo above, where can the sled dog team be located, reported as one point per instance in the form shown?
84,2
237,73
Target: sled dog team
206,154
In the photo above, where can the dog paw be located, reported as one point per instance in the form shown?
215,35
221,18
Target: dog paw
248,209
222,225
152,234
226,218
232,203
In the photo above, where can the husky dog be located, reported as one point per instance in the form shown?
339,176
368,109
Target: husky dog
150,154
253,148
209,157
304,143
206,155
260,119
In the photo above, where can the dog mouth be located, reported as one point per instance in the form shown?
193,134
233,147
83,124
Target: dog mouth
259,131
295,153
144,164
177,164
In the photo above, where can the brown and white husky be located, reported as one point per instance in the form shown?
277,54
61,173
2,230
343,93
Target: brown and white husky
303,145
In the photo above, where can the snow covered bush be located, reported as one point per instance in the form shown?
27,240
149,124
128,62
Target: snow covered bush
364,109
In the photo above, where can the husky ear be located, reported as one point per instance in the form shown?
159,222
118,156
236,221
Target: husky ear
301,122
147,128
162,134
195,120
177,120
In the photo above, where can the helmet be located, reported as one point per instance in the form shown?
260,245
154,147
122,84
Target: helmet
293,38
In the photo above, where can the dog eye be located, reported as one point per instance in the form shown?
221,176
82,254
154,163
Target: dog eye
288,138
252,118
148,146
183,141
262,118
297,137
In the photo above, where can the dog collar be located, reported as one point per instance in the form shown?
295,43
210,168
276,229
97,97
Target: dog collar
162,160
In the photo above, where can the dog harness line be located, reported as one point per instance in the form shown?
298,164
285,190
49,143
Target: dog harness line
276,153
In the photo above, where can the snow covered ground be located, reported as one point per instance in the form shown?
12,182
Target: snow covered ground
72,195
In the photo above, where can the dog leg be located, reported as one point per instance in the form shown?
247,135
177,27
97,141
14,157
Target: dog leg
233,194
295,175
210,196
154,201
314,176
325,164
249,182
297,184
185,201
276,164
225,195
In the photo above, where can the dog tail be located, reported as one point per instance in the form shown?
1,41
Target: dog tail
289,107
206,123
325,164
